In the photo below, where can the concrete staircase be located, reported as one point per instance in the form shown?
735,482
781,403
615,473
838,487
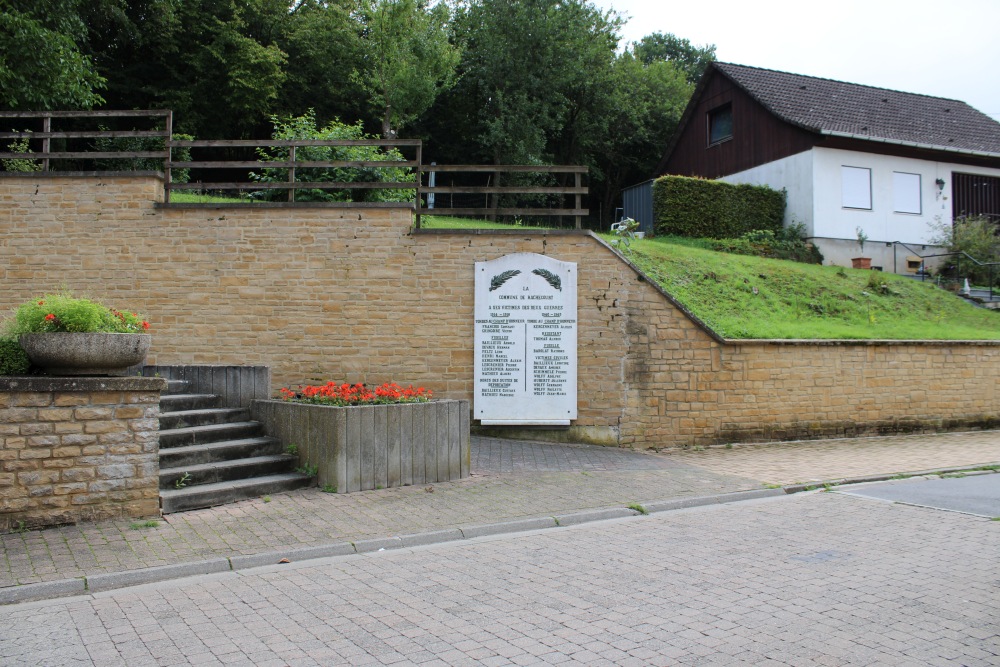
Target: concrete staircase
982,297
210,455
977,297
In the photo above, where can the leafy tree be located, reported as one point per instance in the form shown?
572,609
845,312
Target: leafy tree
304,127
211,61
408,58
42,65
651,99
976,236
324,51
659,46
531,72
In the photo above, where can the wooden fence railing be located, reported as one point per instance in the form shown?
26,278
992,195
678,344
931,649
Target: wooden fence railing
285,172
47,135
264,166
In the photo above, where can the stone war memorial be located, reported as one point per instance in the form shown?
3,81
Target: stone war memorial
545,334
525,341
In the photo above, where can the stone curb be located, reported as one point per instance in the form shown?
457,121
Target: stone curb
291,555
576,518
149,575
43,591
115,580
864,479
684,503
503,527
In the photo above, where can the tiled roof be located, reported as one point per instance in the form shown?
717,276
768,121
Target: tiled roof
864,112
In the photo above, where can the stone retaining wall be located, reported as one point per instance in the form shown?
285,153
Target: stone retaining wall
78,449
354,295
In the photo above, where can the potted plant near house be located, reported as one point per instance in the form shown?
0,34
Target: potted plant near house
65,335
861,262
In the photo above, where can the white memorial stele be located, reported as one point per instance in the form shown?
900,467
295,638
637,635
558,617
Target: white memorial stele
525,341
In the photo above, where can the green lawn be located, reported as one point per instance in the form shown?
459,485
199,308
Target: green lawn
449,222
186,197
750,297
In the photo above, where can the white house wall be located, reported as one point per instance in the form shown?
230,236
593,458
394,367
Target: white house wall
795,175
881,223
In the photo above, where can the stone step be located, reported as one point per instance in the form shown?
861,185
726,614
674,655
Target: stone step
212,452
219,493
177,386
199,435
172,421
223,471
178,402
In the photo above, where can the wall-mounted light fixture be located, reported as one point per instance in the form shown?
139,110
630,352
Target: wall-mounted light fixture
940,184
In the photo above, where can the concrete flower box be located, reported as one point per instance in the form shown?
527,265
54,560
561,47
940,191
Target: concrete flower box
367,447
64,353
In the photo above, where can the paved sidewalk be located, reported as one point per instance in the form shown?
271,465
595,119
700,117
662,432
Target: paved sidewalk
511,481
809,461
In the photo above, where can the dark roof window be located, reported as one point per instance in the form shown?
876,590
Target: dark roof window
720,124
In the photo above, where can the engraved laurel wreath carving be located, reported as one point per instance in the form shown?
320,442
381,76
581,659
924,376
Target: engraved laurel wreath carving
550,278
498,280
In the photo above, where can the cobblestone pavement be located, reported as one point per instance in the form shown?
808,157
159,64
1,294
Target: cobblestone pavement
803,580
823,460
496,456
546,480
511,480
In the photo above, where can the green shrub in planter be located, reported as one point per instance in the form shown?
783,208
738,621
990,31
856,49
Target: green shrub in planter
64,313
13,359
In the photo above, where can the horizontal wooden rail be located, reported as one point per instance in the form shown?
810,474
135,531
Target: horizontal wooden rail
28,134
504,211
513,168
253,143
160,113
505,190
298,185
244,164
86,155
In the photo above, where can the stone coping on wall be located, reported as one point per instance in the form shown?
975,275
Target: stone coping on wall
510,232
79,174
859,342
287,204
39,383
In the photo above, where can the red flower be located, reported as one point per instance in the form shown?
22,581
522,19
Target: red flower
50,317
145,325
41,303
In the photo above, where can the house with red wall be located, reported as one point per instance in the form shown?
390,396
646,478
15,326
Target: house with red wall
850,157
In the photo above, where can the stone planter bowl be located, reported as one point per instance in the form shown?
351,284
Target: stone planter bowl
85,353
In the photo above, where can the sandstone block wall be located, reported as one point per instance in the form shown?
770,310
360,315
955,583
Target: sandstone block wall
355,295
78,449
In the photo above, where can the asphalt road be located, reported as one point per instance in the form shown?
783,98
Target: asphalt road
977,494
808,579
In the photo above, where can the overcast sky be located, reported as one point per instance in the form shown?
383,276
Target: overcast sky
944,48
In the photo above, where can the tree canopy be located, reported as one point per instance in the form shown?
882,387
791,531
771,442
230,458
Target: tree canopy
493,81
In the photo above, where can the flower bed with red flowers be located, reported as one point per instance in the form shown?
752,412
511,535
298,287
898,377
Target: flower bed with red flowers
345,394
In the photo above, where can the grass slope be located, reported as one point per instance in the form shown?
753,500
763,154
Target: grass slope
750,297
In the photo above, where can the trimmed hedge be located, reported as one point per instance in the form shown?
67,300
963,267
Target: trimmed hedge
700,208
